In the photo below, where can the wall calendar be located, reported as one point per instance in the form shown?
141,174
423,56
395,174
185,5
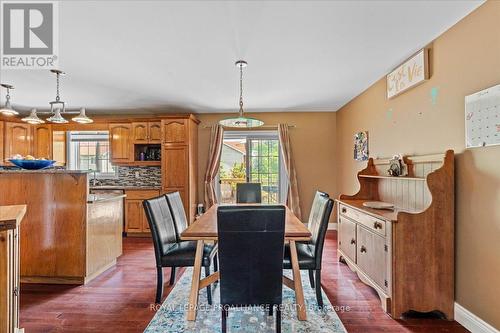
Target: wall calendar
482,118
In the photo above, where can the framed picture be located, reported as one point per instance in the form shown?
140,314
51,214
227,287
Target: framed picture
409,74
361,146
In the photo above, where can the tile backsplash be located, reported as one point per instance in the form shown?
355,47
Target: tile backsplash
148,176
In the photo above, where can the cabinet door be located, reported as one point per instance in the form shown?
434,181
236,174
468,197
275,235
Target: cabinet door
174,130
134,215
154,130
347,238
2,157
140,133
175,163
17,139
120,136
371,255
42,141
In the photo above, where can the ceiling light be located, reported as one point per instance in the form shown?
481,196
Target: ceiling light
241,121
33,118
7,109
57,118
82,118
57,104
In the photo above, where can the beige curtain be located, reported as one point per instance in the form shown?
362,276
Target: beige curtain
215,149
292,198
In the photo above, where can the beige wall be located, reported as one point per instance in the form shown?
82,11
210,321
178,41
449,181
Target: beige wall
313,145
464,59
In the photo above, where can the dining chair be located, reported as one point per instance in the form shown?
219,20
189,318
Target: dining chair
180,220
310,253
169,250
251,245
248,193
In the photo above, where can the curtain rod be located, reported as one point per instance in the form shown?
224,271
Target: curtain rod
248,129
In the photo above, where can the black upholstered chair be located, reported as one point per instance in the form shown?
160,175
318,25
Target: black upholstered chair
310,253
251,245
248,193
179,214
169,251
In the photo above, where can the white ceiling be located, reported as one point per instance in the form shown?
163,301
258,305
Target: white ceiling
302,55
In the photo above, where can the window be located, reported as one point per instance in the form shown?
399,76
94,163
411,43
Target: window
89,150
252,157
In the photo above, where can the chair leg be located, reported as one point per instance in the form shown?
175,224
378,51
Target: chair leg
311,278
224,319
172,276
216,263
271,310
159,284
319,296
278,319
209,289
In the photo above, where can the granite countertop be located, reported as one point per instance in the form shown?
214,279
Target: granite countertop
124,187
64,171
93,198
11,216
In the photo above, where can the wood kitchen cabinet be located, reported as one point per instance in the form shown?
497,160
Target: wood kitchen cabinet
146,132
17,139
136,223
2,156
175,131
42,141
121,143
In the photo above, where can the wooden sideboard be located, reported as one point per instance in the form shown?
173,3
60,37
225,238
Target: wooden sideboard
10,219
405,254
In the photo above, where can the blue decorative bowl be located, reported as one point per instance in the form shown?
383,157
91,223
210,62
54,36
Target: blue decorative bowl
33,164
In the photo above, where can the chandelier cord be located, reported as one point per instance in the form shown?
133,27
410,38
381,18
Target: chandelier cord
241,90
57,87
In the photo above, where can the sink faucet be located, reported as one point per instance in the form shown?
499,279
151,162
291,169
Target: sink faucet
94,180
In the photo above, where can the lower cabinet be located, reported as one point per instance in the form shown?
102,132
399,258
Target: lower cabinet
136,223
9,281
347,238
371,256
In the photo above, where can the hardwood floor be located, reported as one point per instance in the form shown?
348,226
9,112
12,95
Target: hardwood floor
120,299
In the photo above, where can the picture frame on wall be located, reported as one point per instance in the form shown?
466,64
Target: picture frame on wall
361,146
409,74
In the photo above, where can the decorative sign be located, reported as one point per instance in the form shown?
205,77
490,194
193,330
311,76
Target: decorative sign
361,146
482,118
412,72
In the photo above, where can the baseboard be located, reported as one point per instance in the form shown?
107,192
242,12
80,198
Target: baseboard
472,322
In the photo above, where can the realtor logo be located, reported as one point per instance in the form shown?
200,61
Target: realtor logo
29,34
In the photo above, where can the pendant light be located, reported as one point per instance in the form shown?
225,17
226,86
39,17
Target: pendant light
57,118
82,118
7,109
33,118
57,105
241,121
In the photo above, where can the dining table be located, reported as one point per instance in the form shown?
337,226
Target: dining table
204,229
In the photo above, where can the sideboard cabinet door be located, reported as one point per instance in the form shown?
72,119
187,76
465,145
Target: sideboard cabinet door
347,237
371,255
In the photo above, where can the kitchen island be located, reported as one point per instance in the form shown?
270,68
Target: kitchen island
68,235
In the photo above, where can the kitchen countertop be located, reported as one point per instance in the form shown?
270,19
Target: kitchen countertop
123,187
64,171
11,216
94,198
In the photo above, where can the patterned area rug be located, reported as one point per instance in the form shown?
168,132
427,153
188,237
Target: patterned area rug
171,317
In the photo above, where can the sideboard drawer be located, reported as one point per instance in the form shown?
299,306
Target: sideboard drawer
373,223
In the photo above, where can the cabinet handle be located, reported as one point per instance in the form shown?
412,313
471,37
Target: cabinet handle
363,249
344,210
377,225
353,241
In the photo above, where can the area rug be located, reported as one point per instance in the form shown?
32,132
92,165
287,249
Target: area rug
171,316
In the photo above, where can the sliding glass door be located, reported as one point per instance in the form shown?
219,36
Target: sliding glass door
252,157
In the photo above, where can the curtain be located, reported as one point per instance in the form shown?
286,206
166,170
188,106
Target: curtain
292,198
214,151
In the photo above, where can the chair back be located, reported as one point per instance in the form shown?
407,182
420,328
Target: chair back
161,225
318,222
248,193
178,212
251,245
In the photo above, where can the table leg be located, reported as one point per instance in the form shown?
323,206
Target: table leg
297,281
195,283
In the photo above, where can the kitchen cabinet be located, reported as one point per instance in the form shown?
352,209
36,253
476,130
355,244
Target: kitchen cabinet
175,131
2,157
42,141
17,139
146,132
136,223
122,149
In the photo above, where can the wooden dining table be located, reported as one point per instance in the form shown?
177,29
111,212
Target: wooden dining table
205,229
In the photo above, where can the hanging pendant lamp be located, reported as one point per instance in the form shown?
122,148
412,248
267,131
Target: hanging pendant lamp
7,109
82,118
241,121
33,118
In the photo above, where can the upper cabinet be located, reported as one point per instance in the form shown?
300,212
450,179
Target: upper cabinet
175,131
42,141
2,159
121,138
17,139
146,132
